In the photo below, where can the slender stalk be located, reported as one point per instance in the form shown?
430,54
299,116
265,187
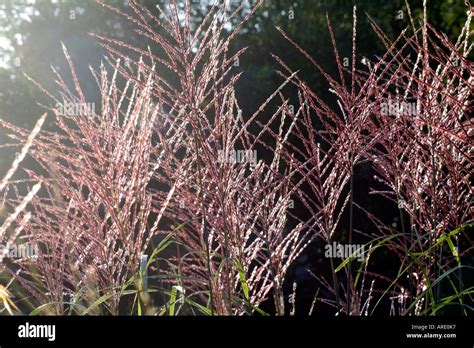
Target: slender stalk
351,220
205,234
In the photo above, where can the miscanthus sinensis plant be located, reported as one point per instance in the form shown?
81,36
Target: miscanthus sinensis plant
158,202
407,113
